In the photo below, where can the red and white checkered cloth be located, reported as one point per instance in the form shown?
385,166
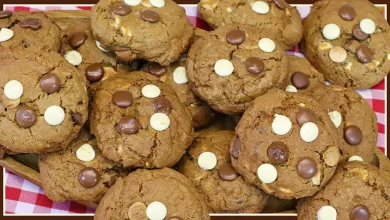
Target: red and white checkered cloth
23,197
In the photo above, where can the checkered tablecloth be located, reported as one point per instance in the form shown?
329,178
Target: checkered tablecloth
23,197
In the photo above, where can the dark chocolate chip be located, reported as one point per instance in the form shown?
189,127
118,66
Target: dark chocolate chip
32,23
121,9
364,54
88,177
150,16
122,99
278,153
347,12
202,116
94,72
307,167
306,115
50,83
128,125
77,39
5,14
360,212
227,172
235,37
300,80
156,69
353,135
162,105
254,65
25,117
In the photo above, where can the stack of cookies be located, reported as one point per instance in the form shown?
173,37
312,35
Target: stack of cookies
111,104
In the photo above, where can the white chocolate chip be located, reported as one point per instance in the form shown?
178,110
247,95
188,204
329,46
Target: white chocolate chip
6,34
281,124
151,91
327,213
267,45
156,211
355,158
267,173
331,31
223,67
126,31
325,46
207,160
117,21
54,115
348,66
157,3
336,118
180,75
74,57
302,105
309,132
159,121
291,88
133,2
368,26
316,180
260,7
9,103
13,89
388,56
85,153
229,9
100,47
338,54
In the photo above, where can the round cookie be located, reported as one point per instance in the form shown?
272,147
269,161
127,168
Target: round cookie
175,76
280,18
354,119
357,191
225,191
381,161
302,76
143,29
45,104
153,194
139,121
285,144
78,173
230,67
348,41
32,31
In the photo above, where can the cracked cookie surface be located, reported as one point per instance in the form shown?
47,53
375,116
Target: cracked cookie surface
283,22
34,122
357,191
60,171
272,149
46,38
137,141
235,92
132,37
223,194
340,59
130,196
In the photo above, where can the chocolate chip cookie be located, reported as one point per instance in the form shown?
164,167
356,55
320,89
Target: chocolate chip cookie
78,173
153,194
285,144
45,105
348,41
175,76
381,161
302,76
28,31
139,121
230,67
354,119
357,191
207,164
279,17
137,29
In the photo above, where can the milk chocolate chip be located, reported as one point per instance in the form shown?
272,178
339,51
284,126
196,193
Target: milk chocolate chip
358,33
122,99
128,125
156,69
50,83
227,172
347,12
162,105
277,153
307,167
121,9
254,65
364,54
32,23
235,37
306,115
94,72
77,39
25,117
360,212
300,80
150,16
280,3
5,14
353,135
88,177
235,148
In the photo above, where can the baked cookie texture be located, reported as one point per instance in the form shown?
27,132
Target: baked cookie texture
139,121
175,76
357,191
280,18
44,106
227,69
31,31
225,191
132,197
136,34
285,145
354,119
73,174
339,48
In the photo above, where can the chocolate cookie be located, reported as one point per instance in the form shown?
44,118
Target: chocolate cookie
142,29
45,104
28,31
153,194
139,121
175,76
207,165
348,41
280,18
357,191
78,173
354,119
230,67
302,76
285,143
